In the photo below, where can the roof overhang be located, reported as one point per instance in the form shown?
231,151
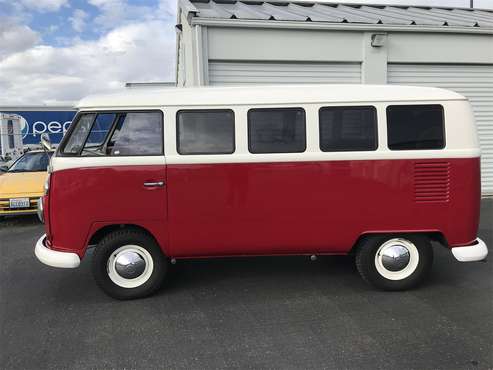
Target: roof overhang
295,14
247,23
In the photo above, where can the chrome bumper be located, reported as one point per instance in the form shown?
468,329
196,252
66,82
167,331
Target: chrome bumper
39,210
471,253
54,258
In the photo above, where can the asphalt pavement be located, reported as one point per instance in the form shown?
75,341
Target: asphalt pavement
244,313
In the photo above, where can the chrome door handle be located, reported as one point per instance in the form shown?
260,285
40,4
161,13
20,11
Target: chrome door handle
153,184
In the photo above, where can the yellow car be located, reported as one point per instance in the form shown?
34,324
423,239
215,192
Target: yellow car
22,184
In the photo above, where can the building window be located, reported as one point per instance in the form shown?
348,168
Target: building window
205,131
10,133
276,130
415,127
348,129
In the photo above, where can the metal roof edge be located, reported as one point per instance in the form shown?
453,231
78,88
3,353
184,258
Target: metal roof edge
377,4
248,23
187,6
150,84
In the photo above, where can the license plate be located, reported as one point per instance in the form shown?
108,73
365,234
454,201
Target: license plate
19,203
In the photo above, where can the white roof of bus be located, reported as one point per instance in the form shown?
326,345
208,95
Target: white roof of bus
267,94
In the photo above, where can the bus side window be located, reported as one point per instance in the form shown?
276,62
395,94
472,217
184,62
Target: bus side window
276,130
137,133
205,131
415,127
348,129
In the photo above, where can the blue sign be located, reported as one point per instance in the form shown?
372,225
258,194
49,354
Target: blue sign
35,123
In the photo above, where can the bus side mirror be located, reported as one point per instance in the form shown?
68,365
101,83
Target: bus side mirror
45,141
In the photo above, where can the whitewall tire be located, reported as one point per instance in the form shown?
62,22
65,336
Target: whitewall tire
129,264
394,262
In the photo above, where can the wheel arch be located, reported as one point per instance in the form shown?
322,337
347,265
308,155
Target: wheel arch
436,236
100,232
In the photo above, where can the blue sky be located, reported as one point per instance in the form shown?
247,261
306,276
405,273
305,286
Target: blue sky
59,20
56,25
57,51
54,52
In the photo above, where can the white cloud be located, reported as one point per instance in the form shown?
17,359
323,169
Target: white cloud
44,5
15,38
138,45
120,12
167,8
42,74
78,20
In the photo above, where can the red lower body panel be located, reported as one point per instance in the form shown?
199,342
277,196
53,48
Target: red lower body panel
268,208
83,200
317,207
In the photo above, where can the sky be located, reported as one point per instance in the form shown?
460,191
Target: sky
54,52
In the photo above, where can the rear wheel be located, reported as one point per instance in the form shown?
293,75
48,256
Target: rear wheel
128,264
394,262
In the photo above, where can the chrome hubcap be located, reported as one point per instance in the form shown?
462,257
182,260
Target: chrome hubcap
129,264
395,257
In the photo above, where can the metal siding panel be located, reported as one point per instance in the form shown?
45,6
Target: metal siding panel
243,11
338,13
425,21
312,14
348,17
353,15
241,73
425,13
473,81
397,17
463,17
206,11
385,16
282,13
475,14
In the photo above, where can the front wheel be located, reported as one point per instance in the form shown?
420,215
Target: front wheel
128,264
394,262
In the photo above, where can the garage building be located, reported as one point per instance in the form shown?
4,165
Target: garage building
234,43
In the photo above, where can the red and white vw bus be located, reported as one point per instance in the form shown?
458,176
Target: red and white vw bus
152,176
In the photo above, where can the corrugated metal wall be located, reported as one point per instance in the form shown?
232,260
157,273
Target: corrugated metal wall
241,73
473,81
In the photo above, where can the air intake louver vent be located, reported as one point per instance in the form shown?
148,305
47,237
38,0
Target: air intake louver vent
431,181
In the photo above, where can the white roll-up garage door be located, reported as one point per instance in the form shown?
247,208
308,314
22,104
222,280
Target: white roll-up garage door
473,81
241,73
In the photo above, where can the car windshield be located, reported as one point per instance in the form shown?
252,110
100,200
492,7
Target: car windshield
32,162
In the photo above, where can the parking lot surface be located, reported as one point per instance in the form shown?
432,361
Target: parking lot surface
276,313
